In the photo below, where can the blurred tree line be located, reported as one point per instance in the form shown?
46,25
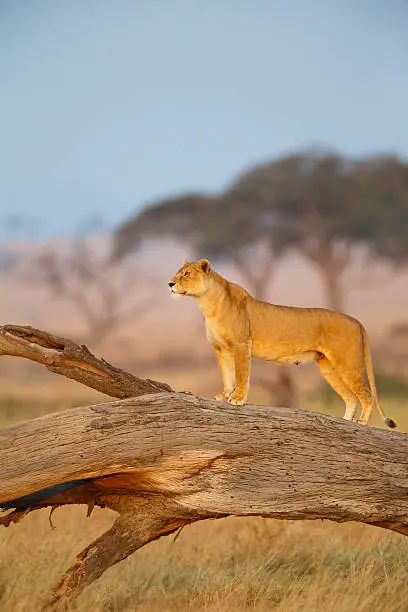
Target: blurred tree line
78,269
323,205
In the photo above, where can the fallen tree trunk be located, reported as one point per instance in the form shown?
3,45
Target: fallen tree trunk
165,459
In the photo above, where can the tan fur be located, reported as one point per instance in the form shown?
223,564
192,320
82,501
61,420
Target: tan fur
239,326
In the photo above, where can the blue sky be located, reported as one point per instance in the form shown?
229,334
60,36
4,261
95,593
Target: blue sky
106,105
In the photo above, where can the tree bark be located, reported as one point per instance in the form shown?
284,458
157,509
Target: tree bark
331,260
165,459
332,281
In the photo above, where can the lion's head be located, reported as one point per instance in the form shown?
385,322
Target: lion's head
192,278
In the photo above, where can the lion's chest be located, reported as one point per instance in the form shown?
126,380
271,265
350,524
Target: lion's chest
215,333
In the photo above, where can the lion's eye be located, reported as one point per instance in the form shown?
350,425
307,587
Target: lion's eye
186,274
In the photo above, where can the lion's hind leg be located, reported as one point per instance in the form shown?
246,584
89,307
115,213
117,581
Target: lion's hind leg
355,378
340,387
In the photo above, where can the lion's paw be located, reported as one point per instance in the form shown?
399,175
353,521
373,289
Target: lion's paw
236,400
222,397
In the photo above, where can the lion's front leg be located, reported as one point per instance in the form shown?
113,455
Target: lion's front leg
227,366
242,360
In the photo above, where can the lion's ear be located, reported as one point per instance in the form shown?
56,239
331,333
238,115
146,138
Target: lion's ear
205,265
186,263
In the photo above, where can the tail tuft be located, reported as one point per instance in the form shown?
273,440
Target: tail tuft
390,423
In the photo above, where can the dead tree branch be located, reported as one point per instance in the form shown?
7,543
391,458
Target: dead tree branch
73,361
165,459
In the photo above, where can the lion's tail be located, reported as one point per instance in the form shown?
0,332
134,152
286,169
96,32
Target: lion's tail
370,375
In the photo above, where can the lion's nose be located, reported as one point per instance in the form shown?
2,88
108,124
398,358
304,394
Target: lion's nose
171,284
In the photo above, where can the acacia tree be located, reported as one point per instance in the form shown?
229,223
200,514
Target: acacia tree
322,204
85,274
225,228
307,199
327,206
178,217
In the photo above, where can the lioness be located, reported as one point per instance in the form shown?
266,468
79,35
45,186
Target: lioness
239,326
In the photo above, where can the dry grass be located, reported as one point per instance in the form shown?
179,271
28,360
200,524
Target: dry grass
228,564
